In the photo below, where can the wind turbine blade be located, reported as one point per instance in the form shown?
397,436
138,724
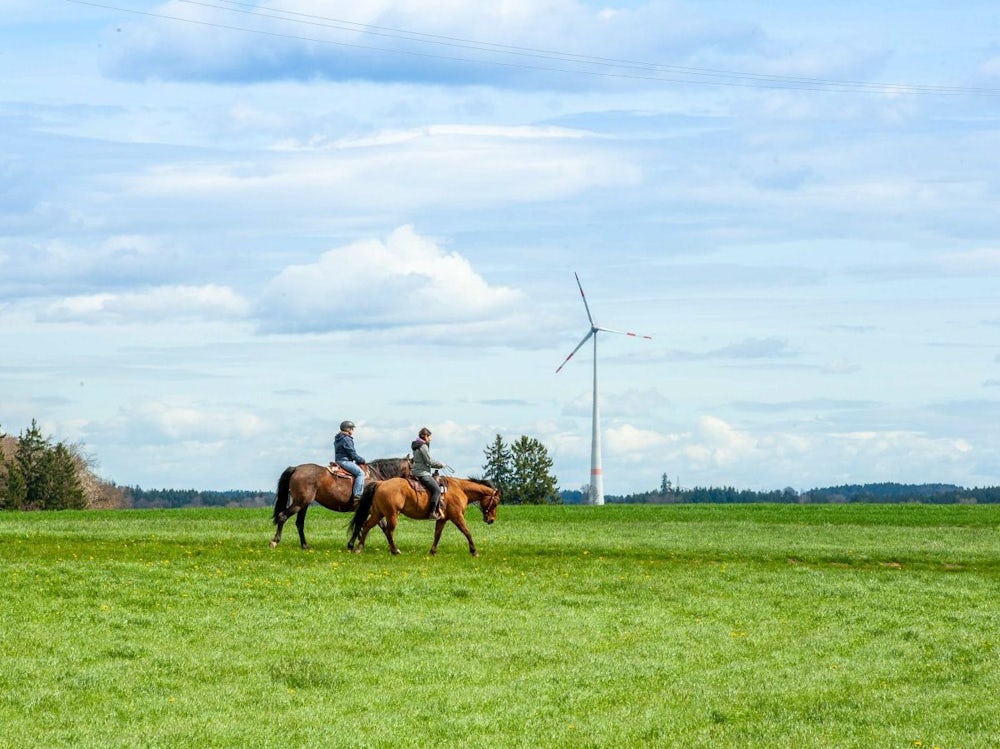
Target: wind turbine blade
585,339
584,296
625,332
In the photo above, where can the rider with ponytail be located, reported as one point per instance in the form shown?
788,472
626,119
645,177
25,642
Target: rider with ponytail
423,466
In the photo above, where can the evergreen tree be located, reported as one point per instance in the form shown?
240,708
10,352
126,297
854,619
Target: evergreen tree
499,464
32,447
60,487
12,487
40,476
531,482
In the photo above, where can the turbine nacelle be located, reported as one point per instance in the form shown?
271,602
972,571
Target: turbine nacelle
594,328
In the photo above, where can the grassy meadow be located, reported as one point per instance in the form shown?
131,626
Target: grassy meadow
616,626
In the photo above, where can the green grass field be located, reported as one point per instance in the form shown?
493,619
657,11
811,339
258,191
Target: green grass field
616,626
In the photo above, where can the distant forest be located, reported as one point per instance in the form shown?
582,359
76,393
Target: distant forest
139,498
886,493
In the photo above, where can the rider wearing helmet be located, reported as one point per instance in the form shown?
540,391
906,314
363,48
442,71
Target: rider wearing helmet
347,457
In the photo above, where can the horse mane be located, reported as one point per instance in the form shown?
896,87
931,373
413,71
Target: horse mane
482,482
388,467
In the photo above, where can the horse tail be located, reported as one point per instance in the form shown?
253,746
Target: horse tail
281,495
356,523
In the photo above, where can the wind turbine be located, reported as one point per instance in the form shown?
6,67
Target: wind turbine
596,472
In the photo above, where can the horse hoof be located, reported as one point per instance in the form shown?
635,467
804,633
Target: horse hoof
396,552
274,544
305,547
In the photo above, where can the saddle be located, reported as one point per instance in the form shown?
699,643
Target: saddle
339,473
419,488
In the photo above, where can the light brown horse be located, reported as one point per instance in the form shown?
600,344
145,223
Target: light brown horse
301,485
396,497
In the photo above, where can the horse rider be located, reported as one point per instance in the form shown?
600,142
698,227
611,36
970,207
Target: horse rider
423,465
347,457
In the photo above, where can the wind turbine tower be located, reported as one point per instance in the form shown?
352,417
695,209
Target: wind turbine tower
596,471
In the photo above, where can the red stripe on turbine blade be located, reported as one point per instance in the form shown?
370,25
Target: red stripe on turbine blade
565,361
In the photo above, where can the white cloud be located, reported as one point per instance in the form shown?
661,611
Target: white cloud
209,302
397,137
53,266
154,422
717,453
719,444
420,169
634,444
404,281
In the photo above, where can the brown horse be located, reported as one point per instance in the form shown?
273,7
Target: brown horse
395,497
301,485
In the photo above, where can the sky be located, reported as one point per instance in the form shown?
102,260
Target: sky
225,227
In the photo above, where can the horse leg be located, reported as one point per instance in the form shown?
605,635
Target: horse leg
280,519
300,524
282,498
357,535
382,526
460,522
389,530
438,527
370,523
277,533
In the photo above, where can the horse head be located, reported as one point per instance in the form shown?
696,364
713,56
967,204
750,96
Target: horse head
489,505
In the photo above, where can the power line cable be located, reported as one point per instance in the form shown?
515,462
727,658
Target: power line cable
599,66
442,39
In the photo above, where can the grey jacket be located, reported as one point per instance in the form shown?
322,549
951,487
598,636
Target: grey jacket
423,463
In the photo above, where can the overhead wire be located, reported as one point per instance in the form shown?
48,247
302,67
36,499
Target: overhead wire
604,67
564,56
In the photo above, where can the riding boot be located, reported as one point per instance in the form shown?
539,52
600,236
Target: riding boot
437,512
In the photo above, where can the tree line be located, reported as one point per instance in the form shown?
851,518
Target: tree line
875,493
143,499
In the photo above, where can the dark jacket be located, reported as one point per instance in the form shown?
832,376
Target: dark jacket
422,461
343,445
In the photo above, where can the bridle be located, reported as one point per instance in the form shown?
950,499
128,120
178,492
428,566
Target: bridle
491,502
